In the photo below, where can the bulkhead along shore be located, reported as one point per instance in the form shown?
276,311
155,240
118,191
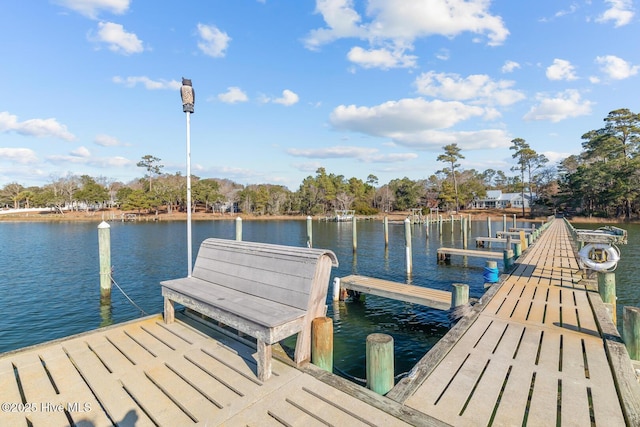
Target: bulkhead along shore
48,214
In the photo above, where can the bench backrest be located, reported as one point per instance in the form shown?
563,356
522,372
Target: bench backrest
284,274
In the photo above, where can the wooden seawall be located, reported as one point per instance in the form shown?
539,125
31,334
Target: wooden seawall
539,349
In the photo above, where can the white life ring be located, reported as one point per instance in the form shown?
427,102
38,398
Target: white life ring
599,256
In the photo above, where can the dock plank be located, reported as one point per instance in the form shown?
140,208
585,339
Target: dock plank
428,297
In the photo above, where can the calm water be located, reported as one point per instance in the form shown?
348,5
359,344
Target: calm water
49,277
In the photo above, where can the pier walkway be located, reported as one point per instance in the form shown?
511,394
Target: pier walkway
540,351
537,350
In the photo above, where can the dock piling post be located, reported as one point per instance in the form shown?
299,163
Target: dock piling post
309,232
354,229
517,250
459,295
385,224
336,289
514,221
463,227
380,364
407,244
631,331
607,291
239,229
322,343
104,249
523,241
508,259
504,222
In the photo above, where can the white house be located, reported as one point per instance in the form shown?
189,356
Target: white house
496,199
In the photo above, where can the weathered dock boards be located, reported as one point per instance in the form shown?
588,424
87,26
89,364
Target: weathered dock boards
146,373
433,298
480,241
443,252
534,354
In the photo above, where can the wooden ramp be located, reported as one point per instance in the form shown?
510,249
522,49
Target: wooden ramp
433,298
534,354
443,253
146,373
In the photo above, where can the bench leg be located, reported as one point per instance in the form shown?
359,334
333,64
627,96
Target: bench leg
169,311
264,360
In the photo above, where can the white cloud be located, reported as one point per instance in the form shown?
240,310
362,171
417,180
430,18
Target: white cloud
41,128
562,106
147,82
478,88
91,8
395,24
620,12
509,66
81,152
117,39
616,68
213,42
18,155
288,98
233,95
405,115
561,69
363,154
381,58
108,141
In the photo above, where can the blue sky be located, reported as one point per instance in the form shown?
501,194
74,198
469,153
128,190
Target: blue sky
285,87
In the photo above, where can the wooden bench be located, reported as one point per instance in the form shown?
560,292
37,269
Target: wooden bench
269,292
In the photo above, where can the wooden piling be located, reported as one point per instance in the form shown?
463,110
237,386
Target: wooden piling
459,294
239,229
465,233
380,363
523,241
354,231
322,343
514,221
104,250
309,232
607,291
508,259
504,222
336,289
407,244
517,250
386,231
631,331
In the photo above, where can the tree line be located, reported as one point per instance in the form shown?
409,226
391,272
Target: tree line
603,180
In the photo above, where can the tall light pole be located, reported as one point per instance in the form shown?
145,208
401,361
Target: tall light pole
188,100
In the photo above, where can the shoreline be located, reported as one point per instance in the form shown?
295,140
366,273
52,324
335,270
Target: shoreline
117,215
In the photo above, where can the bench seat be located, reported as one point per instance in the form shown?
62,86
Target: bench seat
261,318
266,291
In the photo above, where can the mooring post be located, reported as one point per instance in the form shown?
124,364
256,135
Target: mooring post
631,331
491,274
239,229
354,231
385,224
104,249
504,222
407,245
607,291
309,232
322,343
439,225
380,363
336,289
514,220
459,294
523,241
517,250
463,227
488,226
508,259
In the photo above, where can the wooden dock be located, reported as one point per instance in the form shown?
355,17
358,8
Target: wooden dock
146,373
433,298
540,350
445,253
